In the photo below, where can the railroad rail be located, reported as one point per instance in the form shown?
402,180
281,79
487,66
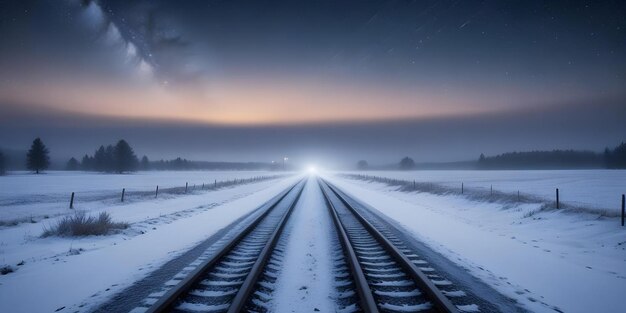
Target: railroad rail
224,282
386,278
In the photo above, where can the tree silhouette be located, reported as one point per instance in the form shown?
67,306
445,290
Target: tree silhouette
407,163
99,160
38,158
362,165
541,159
87,164
2,163
72,165
145,163
125,158
616,158
110,161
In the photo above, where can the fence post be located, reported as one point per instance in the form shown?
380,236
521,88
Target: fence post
557,198
491,190
72,201
518,196
215,184
623,209
462,188
123,192
156,194
186,185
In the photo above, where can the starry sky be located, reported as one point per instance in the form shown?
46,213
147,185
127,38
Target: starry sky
327,81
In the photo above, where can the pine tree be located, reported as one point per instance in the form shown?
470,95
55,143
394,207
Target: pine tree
72,165
2,163
125,158
99,160
362,165
109,159
145,163
38,158
407,163
87,164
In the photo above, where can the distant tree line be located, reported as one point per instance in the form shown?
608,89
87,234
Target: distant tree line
556,159
3,163
120,158
180,164
616,158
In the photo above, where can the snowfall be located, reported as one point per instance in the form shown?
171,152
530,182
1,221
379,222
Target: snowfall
546,259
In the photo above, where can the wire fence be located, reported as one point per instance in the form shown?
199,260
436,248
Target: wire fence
488,195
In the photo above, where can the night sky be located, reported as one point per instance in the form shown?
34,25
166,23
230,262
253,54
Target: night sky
320,81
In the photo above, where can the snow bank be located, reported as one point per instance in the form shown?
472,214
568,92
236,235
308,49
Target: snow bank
66,272
599,189
547,260
27,196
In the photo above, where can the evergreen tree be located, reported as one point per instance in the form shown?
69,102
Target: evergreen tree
362,165
87,164
617,157
407,163
99,160
2,163
38,158
72,165
110,159
125,158
145,163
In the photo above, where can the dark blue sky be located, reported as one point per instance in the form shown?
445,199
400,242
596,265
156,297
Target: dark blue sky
436,80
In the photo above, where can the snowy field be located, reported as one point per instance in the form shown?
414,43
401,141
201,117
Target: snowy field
25,184
93,268
601,189
547,260
24,195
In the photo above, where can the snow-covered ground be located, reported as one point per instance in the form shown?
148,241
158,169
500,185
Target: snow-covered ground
68,272
600,189
306,283
24,195
572,261
20,184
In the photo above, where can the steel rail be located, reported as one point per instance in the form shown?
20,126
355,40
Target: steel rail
249,284
165,303
366,297
441,303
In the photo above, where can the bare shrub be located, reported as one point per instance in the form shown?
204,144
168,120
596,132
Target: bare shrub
81,224
6,269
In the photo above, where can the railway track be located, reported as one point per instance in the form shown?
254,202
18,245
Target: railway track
224,282
387,277
375,272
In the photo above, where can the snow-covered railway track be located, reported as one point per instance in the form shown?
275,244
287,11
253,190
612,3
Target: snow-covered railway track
224,282
388,277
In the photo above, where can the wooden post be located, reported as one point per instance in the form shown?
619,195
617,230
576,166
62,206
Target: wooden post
491,190
215,184
186,185
123,192
156,194
623,209
557,198
518,196
462,188
72,201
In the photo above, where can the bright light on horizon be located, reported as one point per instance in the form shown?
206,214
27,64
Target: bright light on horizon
312,169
